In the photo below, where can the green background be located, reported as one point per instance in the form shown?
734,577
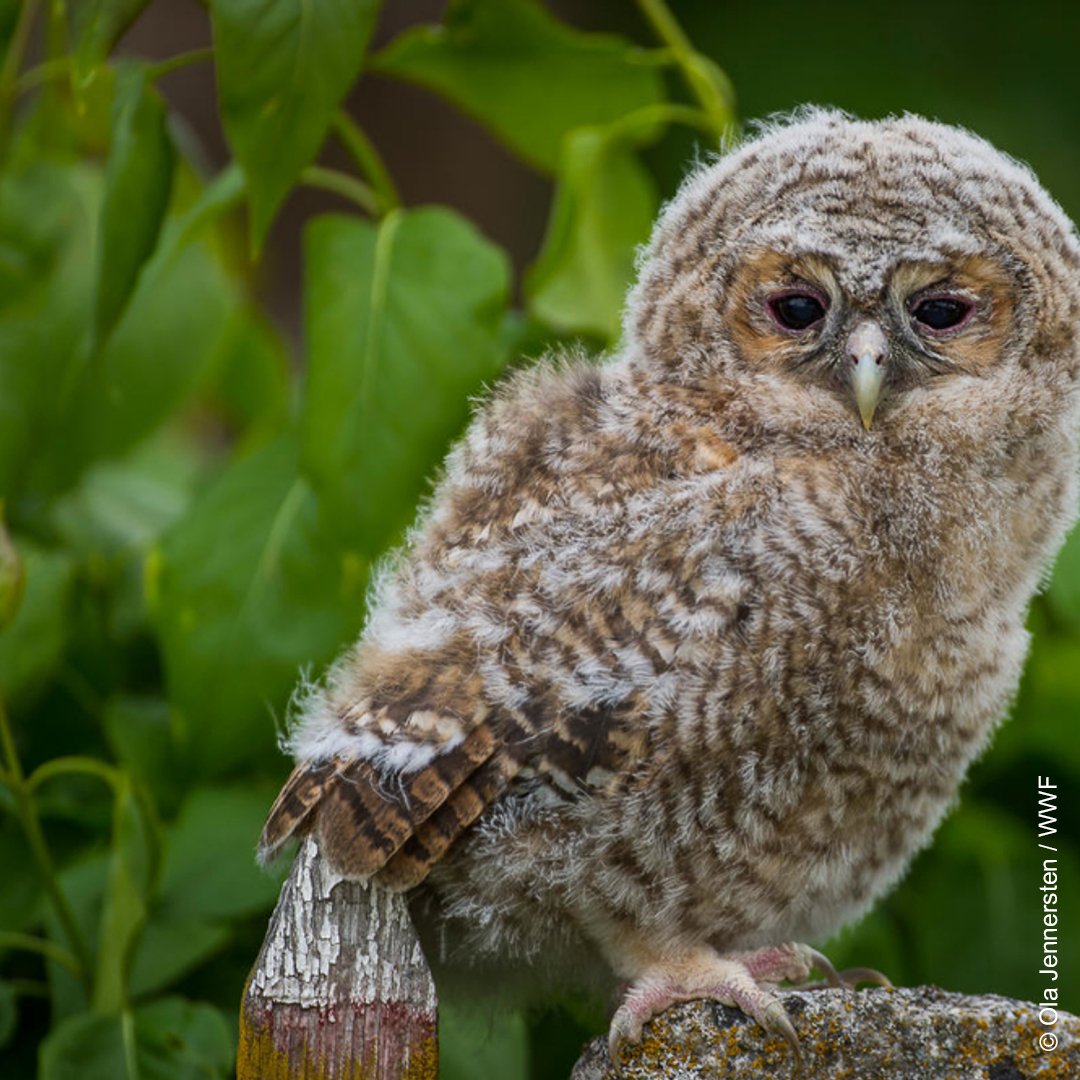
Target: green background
225,376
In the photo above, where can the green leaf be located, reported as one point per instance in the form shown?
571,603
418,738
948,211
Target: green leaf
83,883
143,736
110,520
138,178
67,119
20,892
170,947
210,871
403,326
172,1039
46,216
604,208
471,1045
97,26
283,68
246,589
131,874
86,1047
31,646
191,1039
252,384
158,354
215,200
126,505
58,411
527,77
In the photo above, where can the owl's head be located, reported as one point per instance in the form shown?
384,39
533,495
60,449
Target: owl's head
875,272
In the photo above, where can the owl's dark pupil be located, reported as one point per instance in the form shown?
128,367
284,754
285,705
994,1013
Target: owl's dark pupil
941,312
797,311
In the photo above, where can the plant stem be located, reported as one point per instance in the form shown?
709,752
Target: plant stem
42,73
632,123
9,72
29,943
181,60
127,1029
342,184
26,812
69,766
7,748
371,164
715,99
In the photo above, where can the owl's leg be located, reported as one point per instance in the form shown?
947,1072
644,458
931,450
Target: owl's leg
734,979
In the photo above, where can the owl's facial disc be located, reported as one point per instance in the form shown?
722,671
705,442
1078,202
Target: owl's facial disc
800,316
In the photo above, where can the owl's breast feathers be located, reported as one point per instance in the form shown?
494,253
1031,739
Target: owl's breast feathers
606,567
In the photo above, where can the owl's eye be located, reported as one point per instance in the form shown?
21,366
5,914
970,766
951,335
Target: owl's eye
942,312
797,310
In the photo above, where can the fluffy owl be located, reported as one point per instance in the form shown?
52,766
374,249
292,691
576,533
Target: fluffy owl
690,651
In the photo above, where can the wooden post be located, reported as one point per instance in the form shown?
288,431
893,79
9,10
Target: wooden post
341,989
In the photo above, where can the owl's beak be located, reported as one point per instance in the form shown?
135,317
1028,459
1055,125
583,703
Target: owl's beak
866,348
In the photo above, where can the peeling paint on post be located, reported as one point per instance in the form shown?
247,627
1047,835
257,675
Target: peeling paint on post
341,989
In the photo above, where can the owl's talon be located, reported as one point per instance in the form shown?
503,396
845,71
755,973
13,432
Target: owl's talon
848,979
618,1039
776,1020
824,965
851,977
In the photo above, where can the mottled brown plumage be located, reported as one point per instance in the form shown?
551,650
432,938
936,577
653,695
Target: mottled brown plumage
691,650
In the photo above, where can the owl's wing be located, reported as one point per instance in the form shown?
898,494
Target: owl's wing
394,825
374,820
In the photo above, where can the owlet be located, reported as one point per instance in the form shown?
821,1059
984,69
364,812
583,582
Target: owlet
690,651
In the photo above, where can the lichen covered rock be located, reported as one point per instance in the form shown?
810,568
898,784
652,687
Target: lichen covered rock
922,1033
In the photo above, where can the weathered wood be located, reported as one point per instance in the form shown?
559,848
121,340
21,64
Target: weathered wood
921,1033
341,989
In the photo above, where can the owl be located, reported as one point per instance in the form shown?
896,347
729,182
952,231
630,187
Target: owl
691,648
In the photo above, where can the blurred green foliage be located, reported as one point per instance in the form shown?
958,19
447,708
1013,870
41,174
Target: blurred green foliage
190,522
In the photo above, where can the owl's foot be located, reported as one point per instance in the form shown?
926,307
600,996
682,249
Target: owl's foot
735,979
